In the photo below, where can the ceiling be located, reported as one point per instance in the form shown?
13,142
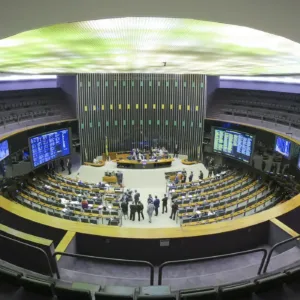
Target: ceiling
142,44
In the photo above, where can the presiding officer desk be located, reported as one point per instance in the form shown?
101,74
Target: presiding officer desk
146,164
158,245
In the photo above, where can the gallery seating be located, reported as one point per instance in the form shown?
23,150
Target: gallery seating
23,108
275,110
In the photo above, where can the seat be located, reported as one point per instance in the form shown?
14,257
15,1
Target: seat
115,293
84,220
237,291
10,276
93,221
69,293
157,297
293,274
273,281
37,286
209,293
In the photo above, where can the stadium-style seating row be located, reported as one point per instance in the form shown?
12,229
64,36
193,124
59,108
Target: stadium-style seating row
211,200
56,198
263,106
280,285
21,108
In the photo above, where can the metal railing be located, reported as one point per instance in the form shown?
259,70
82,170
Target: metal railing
176,262
139,262
34,247
273,249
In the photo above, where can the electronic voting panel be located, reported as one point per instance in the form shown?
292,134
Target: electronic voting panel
232,143
49,146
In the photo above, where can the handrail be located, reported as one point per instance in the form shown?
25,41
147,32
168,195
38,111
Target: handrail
141,262
274,247
175,262
34,247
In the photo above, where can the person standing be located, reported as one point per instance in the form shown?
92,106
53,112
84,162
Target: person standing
165,204
69,165
176,151
174,210
191,177
136,197
156,205
140,208
62,164
201,175
183,178
132,211
150,199
150,210
124,207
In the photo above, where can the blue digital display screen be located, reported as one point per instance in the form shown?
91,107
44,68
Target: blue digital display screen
49,146
232,143
298,164
283,146
4,150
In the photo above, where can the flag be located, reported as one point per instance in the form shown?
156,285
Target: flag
106,147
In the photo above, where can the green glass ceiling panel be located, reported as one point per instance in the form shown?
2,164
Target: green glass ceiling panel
149,45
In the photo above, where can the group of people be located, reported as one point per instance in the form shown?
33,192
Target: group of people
154,153
137,207
181,177
62,164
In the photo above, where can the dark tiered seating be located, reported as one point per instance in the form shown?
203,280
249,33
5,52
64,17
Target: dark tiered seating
279,111
23,108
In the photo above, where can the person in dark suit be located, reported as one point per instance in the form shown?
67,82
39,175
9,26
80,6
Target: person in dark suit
62,164
176,151
136,197
69,165
191,177
133,209
165,204
174,210
210,171
140,208
124,207
156,205
201,175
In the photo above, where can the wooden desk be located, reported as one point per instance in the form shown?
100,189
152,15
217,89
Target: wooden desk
101,163
109,179
134,164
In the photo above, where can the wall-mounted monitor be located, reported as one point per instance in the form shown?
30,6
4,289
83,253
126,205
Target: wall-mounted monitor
4,150
238,145
283,146
49,146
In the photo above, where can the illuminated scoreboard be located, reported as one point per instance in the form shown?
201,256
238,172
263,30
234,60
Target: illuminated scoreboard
238,145
49,146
